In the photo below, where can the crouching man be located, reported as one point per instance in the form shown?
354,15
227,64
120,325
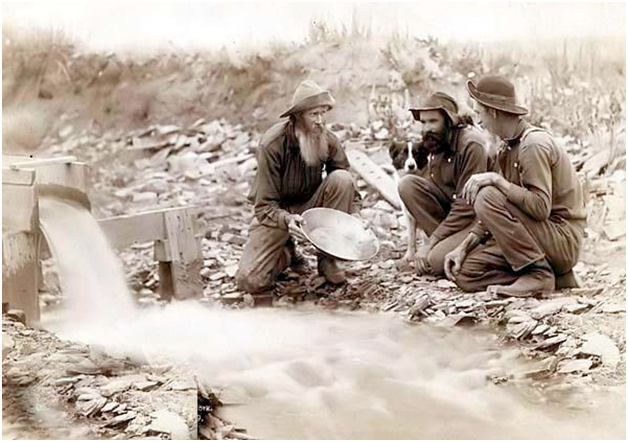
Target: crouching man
531,215
456,150
291,160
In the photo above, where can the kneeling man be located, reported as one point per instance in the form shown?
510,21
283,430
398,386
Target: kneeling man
290,163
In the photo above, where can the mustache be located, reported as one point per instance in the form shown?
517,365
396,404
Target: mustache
433,136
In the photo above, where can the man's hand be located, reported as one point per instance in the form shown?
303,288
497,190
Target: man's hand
474,184
453,262
420,260
403,264
294,227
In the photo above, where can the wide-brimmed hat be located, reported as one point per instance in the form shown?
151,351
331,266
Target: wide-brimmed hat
436,101
308,96
497,93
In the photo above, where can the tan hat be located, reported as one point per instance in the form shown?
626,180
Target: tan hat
497,93
308,96
438,100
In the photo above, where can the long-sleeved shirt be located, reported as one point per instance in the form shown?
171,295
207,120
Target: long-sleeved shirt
449,171
284,179
545,182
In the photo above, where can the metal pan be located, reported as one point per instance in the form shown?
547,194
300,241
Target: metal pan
339,234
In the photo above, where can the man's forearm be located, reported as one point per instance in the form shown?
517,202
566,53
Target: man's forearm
432,241
503,185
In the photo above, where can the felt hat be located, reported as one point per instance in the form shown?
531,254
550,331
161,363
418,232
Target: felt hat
436,101
497,93
308,96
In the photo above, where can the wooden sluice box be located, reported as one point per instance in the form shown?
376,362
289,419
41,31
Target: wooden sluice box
25,180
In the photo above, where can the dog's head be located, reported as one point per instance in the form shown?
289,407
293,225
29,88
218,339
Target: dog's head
407,156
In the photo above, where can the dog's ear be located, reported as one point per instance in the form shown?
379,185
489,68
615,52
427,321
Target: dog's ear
393,147
420,154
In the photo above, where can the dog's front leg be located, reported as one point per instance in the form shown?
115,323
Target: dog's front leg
411,239
408,258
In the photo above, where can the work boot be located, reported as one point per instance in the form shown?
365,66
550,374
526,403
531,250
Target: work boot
537,278
328,268
296,261
567,281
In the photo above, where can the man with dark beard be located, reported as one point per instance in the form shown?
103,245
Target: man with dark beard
456,151
291,160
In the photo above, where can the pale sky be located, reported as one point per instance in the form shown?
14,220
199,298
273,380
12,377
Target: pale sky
112,26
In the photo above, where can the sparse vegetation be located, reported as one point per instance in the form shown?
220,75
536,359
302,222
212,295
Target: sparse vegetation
575,88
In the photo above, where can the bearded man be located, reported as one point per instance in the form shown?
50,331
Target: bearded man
291,160
532,214
456,150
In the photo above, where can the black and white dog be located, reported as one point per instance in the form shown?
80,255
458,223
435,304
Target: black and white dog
408,157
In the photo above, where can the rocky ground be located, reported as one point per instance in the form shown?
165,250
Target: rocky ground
577,335
54,389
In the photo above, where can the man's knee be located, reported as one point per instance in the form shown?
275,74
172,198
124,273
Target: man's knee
471,272
409,186
341,179
465,283
488,198
252,283
436,260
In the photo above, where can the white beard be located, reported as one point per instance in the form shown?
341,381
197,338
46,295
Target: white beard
313,147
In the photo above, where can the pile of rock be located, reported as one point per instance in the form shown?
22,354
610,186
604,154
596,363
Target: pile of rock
111,397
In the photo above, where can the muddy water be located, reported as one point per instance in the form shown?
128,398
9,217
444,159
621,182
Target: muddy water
307,373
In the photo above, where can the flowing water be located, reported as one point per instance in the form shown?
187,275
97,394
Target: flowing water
90,273
307,373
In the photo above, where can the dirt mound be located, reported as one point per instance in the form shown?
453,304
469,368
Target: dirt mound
252,88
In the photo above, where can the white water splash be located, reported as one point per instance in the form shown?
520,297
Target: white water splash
90,273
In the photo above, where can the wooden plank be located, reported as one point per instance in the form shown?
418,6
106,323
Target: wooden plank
125,230
20,274
374,176
38,162
161,251
19,209
10,159
186,261
69,175
22,177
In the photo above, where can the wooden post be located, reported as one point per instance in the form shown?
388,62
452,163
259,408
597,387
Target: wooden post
186,262
177,248
166,284
20,239
164,259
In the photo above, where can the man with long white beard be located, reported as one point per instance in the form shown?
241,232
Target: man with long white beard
292,157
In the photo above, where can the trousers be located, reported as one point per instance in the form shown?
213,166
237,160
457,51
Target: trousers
429,206
266,253
517,240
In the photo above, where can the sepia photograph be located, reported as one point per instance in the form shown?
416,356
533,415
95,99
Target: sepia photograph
313,220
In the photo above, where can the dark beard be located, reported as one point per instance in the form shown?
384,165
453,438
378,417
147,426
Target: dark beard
432,143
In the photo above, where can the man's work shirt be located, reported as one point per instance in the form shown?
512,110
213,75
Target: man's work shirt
546,185
449,171
284,179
